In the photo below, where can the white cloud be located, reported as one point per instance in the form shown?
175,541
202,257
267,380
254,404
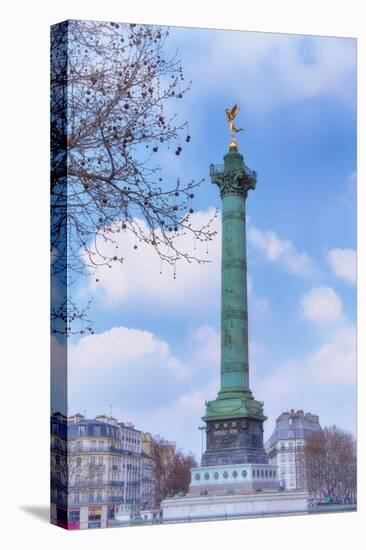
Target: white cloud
315,382
179,419
262,70
335,362
324,376
197,286
122,347
138,278
281,251
123,365
343,263
321,304
145,381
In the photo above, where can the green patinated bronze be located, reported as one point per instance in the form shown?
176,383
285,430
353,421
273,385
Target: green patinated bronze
234,400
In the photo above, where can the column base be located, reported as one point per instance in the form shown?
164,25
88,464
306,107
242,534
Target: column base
231,403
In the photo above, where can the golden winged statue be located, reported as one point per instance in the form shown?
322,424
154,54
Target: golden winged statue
230,115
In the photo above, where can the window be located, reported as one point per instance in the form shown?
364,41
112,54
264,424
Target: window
77,498
100,445
93,445
100,461
80,446
97,430
94,518
78,462
74,516
81,431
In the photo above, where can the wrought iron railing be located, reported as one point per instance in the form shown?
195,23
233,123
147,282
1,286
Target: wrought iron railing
96,501
95,484
218,169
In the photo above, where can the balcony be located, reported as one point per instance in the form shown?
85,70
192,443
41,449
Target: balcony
94,484
95,501
97,467
218,169
104,450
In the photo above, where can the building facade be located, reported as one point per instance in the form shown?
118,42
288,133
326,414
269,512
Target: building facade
98,471
147,483
58,466
285,447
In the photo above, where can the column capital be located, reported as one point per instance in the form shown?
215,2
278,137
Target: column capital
233,177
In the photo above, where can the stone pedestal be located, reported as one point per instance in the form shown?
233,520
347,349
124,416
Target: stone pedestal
234,441
232,506
233,479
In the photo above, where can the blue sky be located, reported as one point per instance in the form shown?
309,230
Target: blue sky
155,353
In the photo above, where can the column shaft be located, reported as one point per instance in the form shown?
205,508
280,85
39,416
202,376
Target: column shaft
234,309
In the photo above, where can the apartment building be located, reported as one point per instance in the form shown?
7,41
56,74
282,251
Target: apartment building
98,470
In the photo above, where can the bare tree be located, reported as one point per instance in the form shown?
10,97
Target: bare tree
172,468
331,464
314,455
112,112
180,472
